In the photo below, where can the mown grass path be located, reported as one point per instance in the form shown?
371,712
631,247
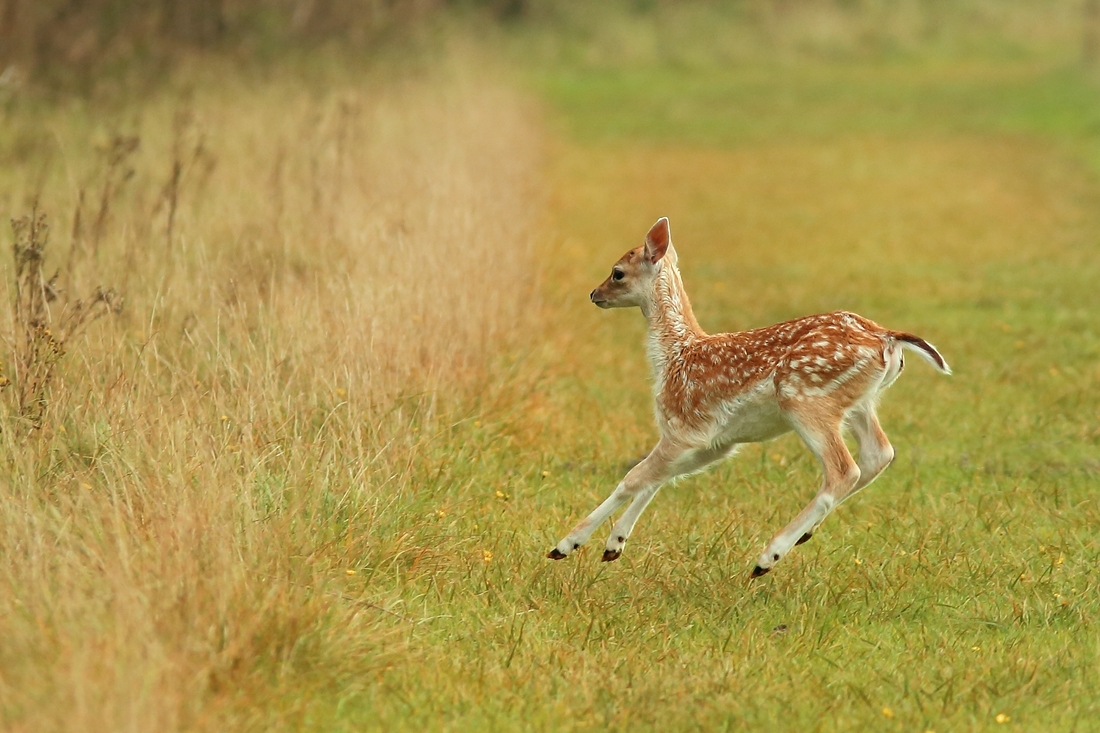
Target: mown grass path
957,593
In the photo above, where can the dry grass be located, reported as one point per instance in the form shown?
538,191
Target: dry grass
312,277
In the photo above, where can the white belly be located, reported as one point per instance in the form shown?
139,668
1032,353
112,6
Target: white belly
751,418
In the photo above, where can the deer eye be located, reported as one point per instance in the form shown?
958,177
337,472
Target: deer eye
617,274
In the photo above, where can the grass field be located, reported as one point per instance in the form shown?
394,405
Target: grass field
307,479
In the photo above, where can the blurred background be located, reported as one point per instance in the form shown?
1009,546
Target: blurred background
299,380
88,42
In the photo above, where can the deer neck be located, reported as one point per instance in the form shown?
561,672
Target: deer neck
672,324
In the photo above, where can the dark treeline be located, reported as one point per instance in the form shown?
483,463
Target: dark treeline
80,38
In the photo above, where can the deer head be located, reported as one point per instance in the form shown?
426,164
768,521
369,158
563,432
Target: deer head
632,278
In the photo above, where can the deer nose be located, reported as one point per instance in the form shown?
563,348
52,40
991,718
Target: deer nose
592,296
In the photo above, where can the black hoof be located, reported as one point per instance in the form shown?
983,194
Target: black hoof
758,571
609,555
804,538
555,554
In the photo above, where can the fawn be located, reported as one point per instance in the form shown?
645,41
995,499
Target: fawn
812,375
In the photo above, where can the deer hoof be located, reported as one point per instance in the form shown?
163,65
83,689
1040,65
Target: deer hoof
555,554
609,555
804,538
758,571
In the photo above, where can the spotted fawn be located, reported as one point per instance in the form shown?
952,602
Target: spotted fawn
714,392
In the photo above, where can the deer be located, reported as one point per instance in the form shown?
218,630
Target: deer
817,376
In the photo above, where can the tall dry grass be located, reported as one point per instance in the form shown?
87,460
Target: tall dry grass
318,274
83,39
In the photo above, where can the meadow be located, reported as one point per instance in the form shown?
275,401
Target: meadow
306,476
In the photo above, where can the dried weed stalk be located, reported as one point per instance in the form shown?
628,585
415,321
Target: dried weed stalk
119,171
45,317
189,157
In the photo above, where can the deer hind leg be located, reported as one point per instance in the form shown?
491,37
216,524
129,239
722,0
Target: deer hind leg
875,452
640,483
841,474
687,462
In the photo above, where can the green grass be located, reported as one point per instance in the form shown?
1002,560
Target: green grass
954,201
816,101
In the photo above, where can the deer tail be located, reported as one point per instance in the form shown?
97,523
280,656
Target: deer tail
923,349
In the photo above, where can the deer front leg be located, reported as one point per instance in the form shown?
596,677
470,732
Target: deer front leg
623,528
580,534
679,463
641,481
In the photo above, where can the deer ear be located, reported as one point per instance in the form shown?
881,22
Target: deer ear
656,242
